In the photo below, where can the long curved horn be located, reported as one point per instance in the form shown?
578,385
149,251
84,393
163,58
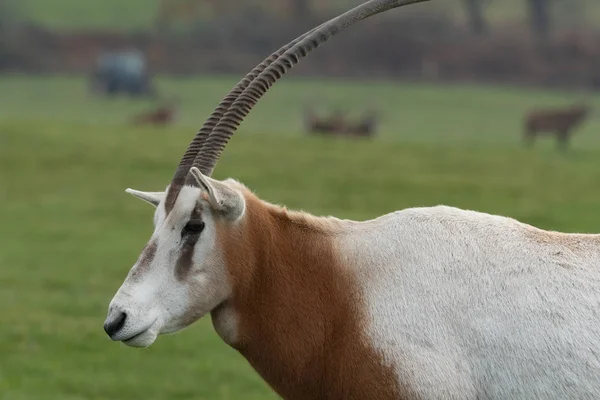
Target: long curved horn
208,156
204,132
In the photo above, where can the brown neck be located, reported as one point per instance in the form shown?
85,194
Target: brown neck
298,311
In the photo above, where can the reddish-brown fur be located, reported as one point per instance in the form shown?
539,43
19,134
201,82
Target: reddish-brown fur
299,312
559,122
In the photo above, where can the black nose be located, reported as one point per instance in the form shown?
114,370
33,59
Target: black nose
114,326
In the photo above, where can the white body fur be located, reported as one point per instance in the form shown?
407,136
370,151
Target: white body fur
469,305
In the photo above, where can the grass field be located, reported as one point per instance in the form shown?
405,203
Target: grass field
70,233
141,14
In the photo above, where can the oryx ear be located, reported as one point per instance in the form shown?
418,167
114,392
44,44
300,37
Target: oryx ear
153,198
221,197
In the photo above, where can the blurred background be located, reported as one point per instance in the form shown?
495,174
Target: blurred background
479,104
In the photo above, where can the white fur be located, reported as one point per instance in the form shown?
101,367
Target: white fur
154,300
153,198
469,305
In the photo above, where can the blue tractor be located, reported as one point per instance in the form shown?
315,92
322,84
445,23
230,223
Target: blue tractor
121,72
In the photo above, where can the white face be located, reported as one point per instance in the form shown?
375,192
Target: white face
179,276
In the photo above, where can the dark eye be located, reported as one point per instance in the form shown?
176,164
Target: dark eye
193,227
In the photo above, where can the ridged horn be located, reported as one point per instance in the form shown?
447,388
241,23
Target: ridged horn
204,132
214,144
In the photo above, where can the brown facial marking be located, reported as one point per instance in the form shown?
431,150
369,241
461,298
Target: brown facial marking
300,313
185,260
145,259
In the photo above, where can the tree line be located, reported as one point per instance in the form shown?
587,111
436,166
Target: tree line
540,15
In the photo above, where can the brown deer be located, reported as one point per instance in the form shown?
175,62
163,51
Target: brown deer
334,125
365,127
339,125
559,122
162,115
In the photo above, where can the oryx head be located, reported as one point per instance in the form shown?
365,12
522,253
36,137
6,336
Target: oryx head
181,274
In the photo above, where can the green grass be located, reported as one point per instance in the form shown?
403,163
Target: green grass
85,14
463,113
70,233
141,14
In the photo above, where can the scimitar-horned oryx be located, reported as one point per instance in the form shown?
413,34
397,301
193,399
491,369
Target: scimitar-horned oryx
423,303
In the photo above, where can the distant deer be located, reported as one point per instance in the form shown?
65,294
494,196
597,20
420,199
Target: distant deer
365,127
163,115
339,125
559,122
323,125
